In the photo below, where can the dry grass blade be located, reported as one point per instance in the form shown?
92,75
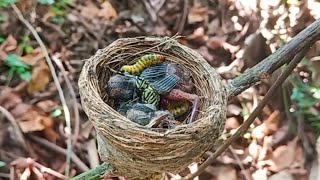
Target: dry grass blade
56,81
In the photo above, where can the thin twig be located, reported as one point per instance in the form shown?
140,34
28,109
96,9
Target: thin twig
15,125
252,116
56,81
246,175
77,161
73,96
183,16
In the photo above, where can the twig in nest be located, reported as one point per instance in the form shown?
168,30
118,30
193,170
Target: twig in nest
82,166
252,116
56,81
12,120
73,96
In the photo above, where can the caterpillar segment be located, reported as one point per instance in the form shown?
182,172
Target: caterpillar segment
179,109
144,62
150,96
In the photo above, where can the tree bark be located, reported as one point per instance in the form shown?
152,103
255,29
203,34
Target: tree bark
305,38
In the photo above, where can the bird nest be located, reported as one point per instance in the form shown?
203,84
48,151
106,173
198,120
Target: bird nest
140,152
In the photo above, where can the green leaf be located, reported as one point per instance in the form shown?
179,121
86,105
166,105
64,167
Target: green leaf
306,103
26,75
2,38
296,94
316,92
5,3
48,2
12,60
57,19
2,164
56,112
28,49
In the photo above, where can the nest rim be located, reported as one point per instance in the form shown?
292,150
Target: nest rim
211,117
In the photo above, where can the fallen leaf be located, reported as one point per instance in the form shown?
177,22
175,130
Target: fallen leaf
89,10
254,149
283,175
8,45
266,151
268,126
233,109
33,57
227,172
197,14
231,123
107,12
283,156
215,43
281,134
46,105
9,98
40,77
30,118
198,35
260,174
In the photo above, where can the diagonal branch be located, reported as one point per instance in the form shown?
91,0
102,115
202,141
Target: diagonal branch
252,116
305,38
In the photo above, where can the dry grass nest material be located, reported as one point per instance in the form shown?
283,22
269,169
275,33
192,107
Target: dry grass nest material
137,151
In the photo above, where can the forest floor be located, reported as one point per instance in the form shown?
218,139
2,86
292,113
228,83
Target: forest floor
231,35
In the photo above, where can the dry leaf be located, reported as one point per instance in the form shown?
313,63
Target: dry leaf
34,119
40,77
33,57
260,174
231,123
31,118
283,156
89,10
197,14
254,149
217,43
107,12
283,175
9,98
268,126
46,105
9,44
227,172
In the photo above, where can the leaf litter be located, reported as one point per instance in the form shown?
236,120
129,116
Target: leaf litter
224,32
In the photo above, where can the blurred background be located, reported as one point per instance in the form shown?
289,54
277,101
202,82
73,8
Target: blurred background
232,35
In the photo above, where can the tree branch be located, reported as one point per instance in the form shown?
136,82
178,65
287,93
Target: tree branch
252,116
305,38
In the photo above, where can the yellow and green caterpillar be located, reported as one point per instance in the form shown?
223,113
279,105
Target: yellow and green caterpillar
144,62
179,110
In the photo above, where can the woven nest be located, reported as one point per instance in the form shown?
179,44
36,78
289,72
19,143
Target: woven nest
138,152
